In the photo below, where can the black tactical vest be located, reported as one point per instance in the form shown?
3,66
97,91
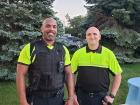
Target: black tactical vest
46,73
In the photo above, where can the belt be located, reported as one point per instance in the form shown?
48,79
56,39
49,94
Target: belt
91,94
45,94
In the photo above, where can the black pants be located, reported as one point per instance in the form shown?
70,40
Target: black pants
43,100
90,98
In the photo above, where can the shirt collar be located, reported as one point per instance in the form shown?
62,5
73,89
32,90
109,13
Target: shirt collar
98,50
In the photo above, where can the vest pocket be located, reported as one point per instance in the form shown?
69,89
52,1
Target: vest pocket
60,66
35,82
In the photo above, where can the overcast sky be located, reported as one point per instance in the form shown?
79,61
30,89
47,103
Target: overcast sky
72,7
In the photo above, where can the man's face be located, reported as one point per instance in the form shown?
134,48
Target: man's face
93,36
49,30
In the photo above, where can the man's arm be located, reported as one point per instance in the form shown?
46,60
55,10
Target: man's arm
116,84
69,83
114,89
20,83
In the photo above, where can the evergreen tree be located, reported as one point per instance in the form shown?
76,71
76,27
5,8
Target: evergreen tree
75,26
118,21
20,23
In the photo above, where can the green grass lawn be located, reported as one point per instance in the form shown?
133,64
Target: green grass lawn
8,94
129,71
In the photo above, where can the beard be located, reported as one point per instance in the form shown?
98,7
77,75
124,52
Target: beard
50,36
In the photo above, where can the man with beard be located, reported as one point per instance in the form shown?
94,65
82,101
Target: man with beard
48,66
93,64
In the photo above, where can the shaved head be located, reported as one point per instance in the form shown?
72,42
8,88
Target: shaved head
93,36
93,29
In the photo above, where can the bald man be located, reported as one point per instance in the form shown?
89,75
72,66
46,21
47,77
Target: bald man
94,63
48,65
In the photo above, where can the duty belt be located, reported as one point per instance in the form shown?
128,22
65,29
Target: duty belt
45,94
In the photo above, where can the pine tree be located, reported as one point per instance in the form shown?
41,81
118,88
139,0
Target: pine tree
118,21
20,23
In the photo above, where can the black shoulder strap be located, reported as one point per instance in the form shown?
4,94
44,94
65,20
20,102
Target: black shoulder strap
32,53
32,47
61,50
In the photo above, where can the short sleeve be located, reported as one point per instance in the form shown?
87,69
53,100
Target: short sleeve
24,57
67,56
114,65
74,62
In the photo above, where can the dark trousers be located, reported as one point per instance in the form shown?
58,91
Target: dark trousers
43,100
85,98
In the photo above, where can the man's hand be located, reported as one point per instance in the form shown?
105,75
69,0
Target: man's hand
69,102
72,101
108,100
75,100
